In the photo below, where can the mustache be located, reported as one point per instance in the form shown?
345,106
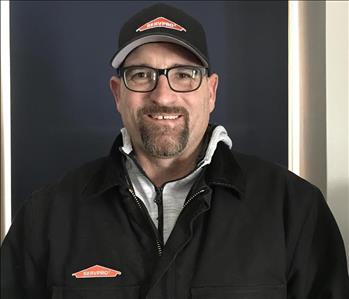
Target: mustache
163,109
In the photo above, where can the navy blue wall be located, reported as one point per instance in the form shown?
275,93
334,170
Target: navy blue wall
63,113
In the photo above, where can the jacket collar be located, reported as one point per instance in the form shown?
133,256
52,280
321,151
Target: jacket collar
111,173
223,171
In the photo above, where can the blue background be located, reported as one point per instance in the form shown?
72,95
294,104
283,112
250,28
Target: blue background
63,113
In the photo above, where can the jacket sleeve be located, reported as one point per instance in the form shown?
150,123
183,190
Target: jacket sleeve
22,258
319,268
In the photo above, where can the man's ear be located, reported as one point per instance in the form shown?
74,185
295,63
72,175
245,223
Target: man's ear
212,86
115,84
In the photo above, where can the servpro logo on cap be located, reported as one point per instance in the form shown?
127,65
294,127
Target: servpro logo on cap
161,22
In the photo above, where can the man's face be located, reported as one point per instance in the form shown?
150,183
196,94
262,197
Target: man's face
164,123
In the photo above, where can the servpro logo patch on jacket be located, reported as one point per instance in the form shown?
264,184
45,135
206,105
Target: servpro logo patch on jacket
96,271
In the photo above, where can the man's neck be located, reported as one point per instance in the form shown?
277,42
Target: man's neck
161,170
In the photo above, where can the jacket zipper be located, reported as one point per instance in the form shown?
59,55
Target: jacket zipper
158,243
159,203
191,199
193,196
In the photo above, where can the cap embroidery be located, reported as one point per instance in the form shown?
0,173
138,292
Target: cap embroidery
161,22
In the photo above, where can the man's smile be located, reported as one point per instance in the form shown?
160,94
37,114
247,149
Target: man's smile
164,116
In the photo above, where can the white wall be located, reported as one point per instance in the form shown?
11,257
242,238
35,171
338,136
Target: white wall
5,113
337,107
312,17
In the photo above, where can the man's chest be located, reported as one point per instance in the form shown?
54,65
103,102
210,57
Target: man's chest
223,248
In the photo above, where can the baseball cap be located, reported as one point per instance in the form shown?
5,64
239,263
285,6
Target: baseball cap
161,23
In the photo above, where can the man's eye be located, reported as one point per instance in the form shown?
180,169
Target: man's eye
184,75
140,75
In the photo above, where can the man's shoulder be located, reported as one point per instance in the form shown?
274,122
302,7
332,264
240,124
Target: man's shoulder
76,180
252,164
269,185
269,173
60,197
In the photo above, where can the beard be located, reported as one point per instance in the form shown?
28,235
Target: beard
159,140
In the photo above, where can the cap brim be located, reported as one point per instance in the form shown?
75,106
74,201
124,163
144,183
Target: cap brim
120,56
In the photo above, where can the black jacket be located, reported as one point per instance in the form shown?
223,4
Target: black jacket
249,230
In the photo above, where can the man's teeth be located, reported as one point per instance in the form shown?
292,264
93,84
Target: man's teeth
165,116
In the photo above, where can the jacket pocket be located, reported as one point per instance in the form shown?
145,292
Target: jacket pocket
239,292
129,292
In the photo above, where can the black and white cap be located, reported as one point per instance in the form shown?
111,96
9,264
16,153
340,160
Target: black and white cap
161,23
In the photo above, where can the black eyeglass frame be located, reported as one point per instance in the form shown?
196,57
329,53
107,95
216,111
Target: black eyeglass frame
121,74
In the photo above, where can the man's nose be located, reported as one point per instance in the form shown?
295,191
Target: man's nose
163,94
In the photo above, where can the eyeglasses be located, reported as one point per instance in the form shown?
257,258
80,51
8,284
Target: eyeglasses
183,78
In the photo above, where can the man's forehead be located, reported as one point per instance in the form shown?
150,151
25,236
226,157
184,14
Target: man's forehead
153,50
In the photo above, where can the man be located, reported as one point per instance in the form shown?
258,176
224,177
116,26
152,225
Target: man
173,212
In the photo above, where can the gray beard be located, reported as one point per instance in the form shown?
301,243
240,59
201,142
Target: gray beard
162,141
